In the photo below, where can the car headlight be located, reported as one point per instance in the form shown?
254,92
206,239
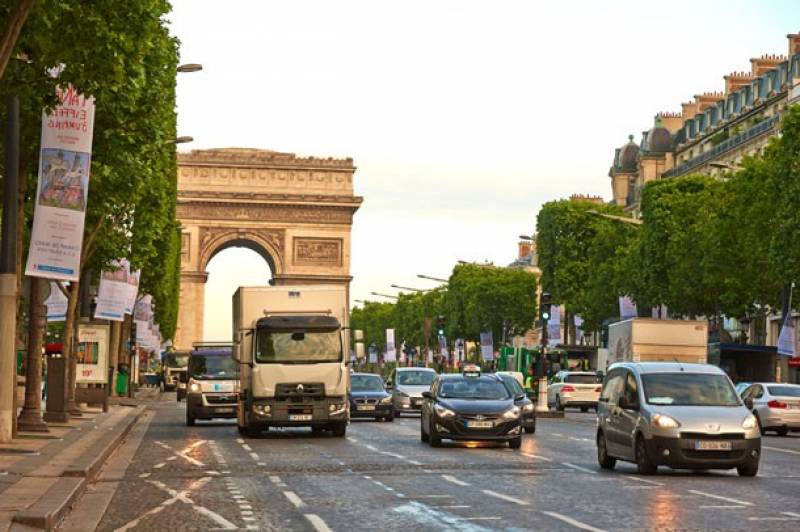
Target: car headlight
664,422
262,410
441,411
194,386
749,422
386,400
512,413
528,407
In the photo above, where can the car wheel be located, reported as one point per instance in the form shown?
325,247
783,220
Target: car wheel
242,430
434,439
395,413
750,469
644,465
783,431
515,443
422,435
189,419
605,461
559,406
389,418
531,429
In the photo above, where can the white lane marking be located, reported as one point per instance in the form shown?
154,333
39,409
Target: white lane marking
773,519
579,468
171,458
573,438
721,498
160,465
792,514
351,439
144,475
240,440
254,456
637,479
536,456
263,464
721,506
246,447
780,450
505,497
275,479
372,448
317,522
481,518
573,522
244,506
182,452
454,480
294,499
246,512
433,496
452,506
435,519
414,462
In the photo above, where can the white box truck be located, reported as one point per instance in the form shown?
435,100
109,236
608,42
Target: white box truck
293,357
650,340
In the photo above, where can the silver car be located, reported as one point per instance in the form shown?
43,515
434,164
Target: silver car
406,386
776,406
684,416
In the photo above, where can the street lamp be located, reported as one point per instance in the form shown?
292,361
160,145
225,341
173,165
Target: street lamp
625,219
181,140
384,295
428,277
190,67
409,288
526,237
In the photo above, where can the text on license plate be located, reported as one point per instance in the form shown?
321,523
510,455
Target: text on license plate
710,445
366,407
480,424
299,417
226,410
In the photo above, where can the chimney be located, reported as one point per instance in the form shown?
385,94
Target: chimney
736,80
765,63
707,99
524,249
794,44
672,121
688,110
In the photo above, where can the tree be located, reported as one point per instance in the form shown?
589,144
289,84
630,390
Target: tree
373,318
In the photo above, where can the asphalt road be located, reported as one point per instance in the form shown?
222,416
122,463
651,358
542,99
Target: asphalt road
169,476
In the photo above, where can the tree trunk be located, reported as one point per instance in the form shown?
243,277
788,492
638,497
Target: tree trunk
30,418
70,327
11,32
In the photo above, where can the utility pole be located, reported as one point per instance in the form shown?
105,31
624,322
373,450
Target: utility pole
8,275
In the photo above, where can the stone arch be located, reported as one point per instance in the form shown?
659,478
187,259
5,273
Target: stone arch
262,243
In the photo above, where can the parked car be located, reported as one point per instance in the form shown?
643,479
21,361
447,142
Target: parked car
684,416
520,399
574,389
406,386
775,405
368,398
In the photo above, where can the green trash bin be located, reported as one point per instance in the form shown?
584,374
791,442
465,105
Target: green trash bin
122,384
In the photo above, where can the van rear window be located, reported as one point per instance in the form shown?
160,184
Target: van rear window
582,379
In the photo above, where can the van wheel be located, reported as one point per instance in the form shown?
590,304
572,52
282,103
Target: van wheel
189,419
605,461
750,469
643,463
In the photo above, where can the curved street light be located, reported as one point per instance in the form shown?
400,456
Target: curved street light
190,67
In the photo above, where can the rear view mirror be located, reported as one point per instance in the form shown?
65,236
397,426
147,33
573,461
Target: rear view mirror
749,403
519,397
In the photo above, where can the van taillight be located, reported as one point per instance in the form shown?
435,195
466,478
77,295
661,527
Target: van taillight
567,388
777,404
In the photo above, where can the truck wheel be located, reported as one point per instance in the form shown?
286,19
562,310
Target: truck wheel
783,431
253,430
241,429
339,430
189,419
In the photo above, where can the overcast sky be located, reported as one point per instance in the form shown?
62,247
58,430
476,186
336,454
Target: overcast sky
462,117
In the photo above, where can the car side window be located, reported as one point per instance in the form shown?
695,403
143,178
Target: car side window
631,389
613,387
758,392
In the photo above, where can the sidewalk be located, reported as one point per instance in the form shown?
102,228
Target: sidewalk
42,475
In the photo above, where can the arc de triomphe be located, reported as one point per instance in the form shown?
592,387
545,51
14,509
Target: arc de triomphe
296,212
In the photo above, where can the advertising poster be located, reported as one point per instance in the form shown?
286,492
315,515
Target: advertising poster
627,308
143,308
787,339
578,321
92,354
133,289
554,326
487,346
459,355
390,355
112,296
373,355
63,189
56,304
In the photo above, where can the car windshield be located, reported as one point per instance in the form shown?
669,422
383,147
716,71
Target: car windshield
366,383
415,378
298,347
688,389
784,391
212,367
512,384
471,388
581,379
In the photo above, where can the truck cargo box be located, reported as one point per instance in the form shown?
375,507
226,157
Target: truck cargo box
650,340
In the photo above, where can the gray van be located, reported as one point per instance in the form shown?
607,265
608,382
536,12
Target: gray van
684,416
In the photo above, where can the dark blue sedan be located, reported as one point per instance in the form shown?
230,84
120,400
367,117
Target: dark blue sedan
368,398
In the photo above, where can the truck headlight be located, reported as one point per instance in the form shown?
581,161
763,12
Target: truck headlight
386,400
664,422
512,413
194,386
749,422
442,411
336,408
262,410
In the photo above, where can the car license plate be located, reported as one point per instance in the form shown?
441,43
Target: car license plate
299,417
711,445
366,407
480,424
225,410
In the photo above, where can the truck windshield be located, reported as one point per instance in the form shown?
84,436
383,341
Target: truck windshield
212,367
176,360
688,389
298,347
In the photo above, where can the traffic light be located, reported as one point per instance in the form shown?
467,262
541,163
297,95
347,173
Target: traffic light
440,326
545,301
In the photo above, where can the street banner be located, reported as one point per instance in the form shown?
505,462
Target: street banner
133,288
787,340
402,355
659,312
141,332
459,355
373,355
92,354
113,294
578,321
554,326
430,356
487,346
142,310
56,304
627,308
391,354
63,188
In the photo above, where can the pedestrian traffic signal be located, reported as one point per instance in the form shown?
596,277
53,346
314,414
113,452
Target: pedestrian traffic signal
440,326
545,301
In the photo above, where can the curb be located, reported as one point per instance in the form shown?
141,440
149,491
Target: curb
54,504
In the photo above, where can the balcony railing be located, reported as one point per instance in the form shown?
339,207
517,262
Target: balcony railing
765,126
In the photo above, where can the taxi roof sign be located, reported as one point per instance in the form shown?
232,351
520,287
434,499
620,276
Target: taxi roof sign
472,370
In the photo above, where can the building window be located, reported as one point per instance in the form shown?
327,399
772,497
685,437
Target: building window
185,243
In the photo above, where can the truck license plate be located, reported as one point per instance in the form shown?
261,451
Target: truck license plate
710,445
480,424
366,407
299,417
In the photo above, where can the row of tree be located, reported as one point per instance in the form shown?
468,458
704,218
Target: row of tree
705,247
477,298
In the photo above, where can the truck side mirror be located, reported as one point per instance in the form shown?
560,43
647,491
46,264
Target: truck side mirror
240,352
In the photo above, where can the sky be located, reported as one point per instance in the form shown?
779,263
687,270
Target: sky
462,117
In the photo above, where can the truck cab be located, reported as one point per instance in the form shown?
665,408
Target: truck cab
213,385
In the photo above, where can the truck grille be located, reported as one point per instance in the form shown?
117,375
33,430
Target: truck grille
298,392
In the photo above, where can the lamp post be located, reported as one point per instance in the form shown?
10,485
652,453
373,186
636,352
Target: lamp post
190,67
409,288
385,295
428,277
